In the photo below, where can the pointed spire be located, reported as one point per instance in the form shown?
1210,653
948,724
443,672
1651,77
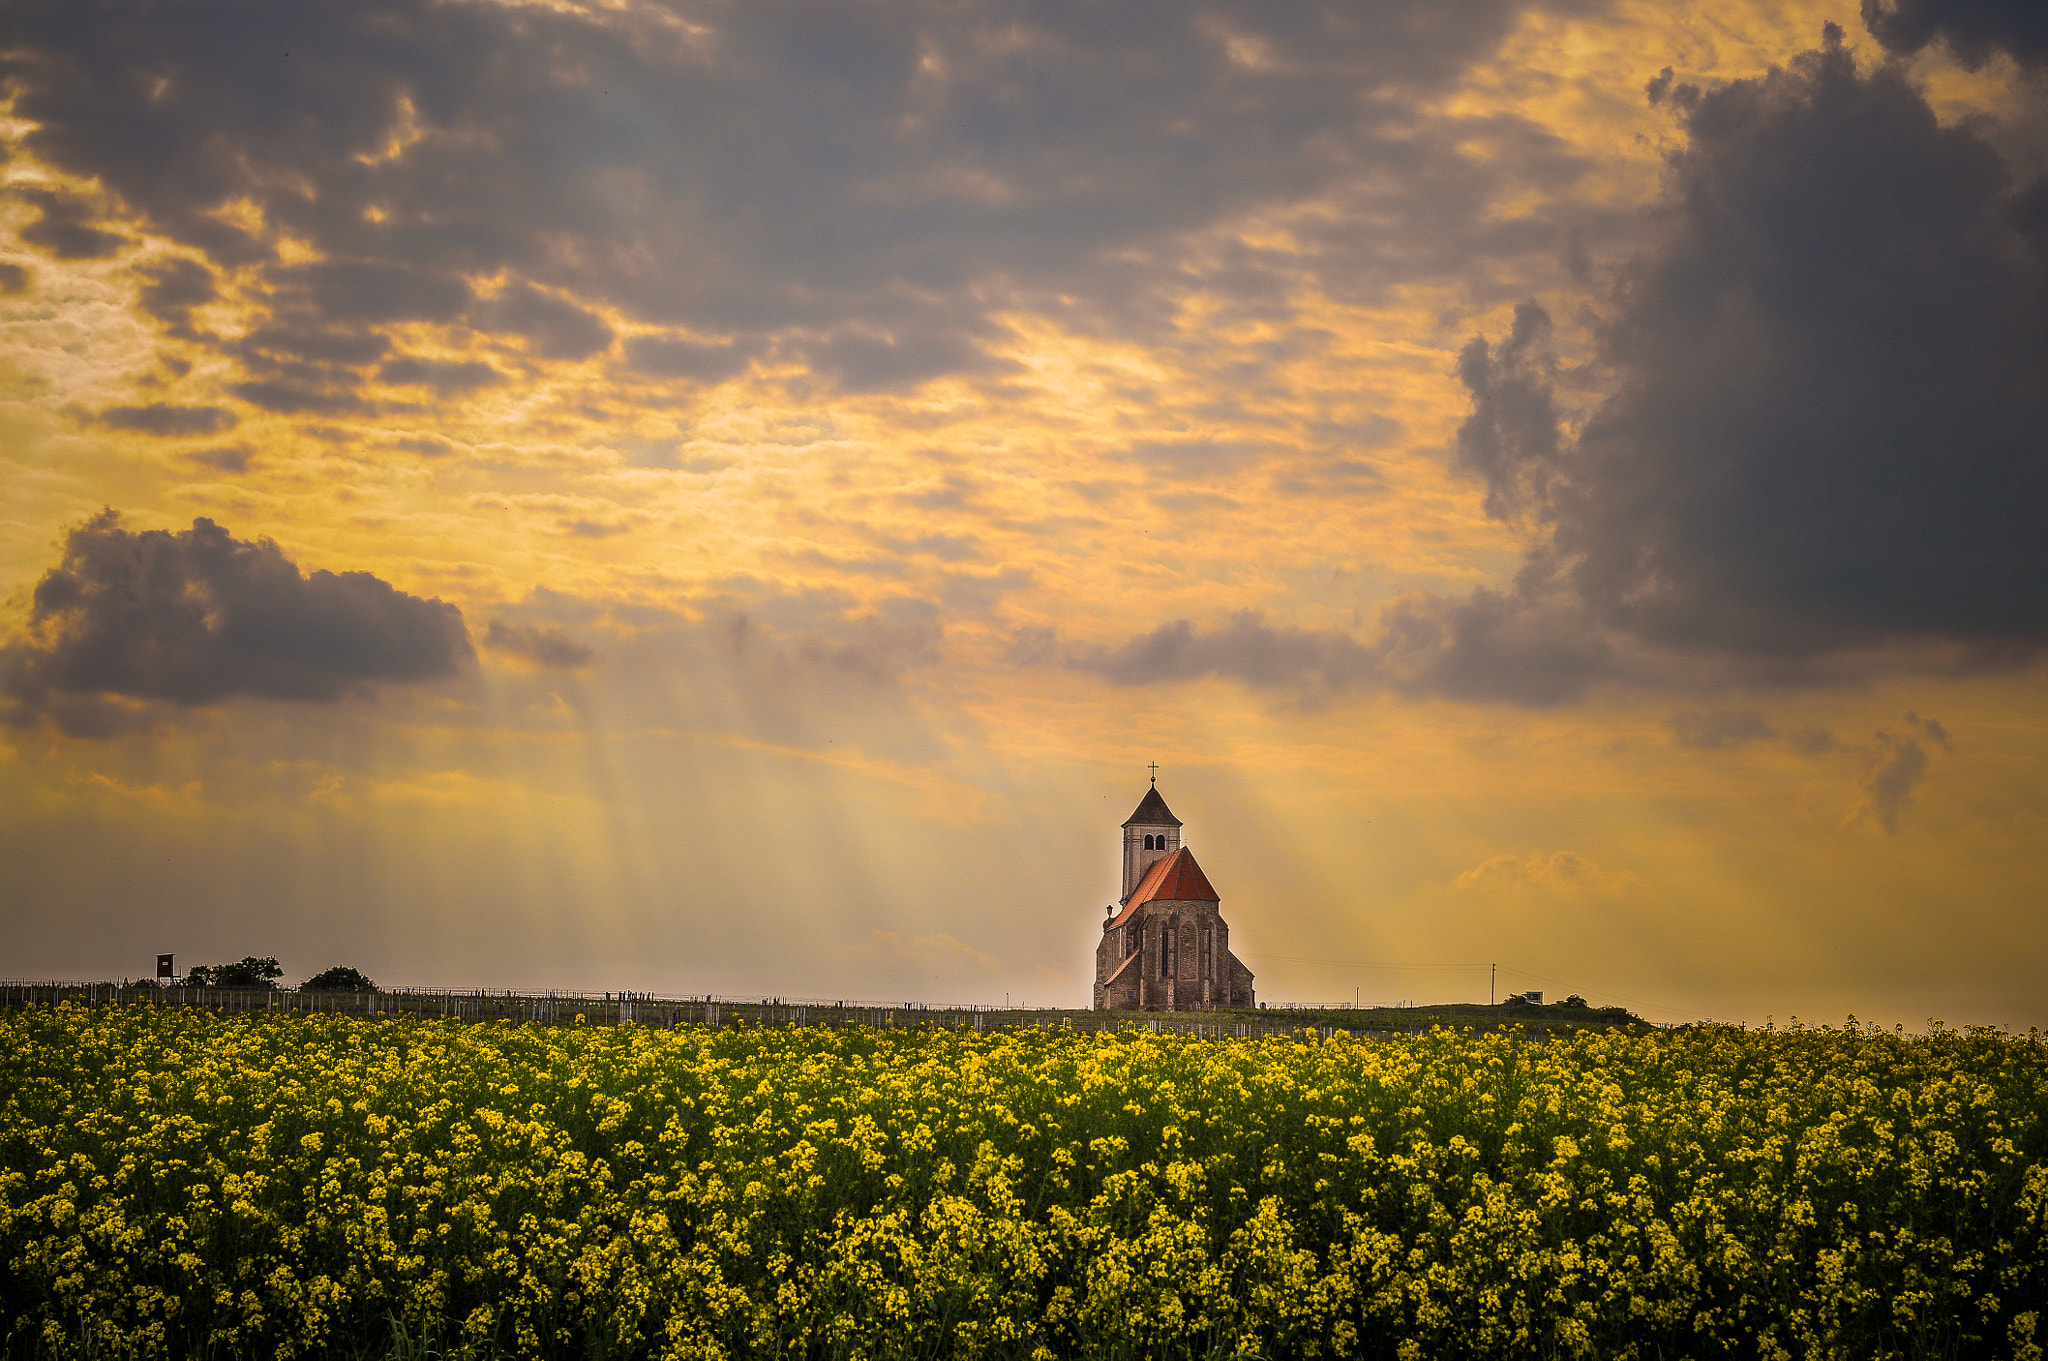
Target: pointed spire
1152,812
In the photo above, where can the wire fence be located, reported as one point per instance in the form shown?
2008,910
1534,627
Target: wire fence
646,1009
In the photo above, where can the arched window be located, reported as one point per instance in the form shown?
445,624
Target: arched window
1148,841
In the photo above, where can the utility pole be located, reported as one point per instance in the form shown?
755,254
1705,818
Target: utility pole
1491,971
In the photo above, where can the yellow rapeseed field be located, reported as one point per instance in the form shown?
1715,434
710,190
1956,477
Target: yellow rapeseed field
183,1184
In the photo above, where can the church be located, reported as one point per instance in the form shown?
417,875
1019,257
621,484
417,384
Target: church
1168,949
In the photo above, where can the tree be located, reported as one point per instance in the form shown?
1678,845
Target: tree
340,978
247,972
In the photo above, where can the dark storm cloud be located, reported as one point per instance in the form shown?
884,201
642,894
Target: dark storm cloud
200,616
542,644
1972,29
863,187
1660,88
1828,438
160,418
13,279
1830,430
1511,439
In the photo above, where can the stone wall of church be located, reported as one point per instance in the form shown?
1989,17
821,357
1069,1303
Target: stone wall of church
1183,961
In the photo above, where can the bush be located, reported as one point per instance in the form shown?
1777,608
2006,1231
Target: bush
247,972
340,978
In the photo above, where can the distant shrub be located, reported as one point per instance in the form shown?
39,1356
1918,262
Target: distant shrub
247,972
340,978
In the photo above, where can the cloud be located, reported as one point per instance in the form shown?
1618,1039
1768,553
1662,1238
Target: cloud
1894,766
1812,741
1488,647
160,418
1972,29
298,398
542,644
1661,87
877,648
373,291
1822,455
1511,441
1719,729
446,377
227,459
1245,649
199,616
666,357
64,229
866,190
1887,784
591,529
13,279
1558,871
1825,434
172,288
1930,728
556,329
1495,646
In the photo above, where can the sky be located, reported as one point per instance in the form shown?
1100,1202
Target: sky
732,499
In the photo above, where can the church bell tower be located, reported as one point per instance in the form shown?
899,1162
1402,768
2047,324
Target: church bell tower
1151,833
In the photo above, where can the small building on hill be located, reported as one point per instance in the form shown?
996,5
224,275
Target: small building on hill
1168,949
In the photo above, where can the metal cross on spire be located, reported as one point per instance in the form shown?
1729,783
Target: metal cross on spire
1154,768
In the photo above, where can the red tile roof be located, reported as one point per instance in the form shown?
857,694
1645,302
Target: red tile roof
1176,879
